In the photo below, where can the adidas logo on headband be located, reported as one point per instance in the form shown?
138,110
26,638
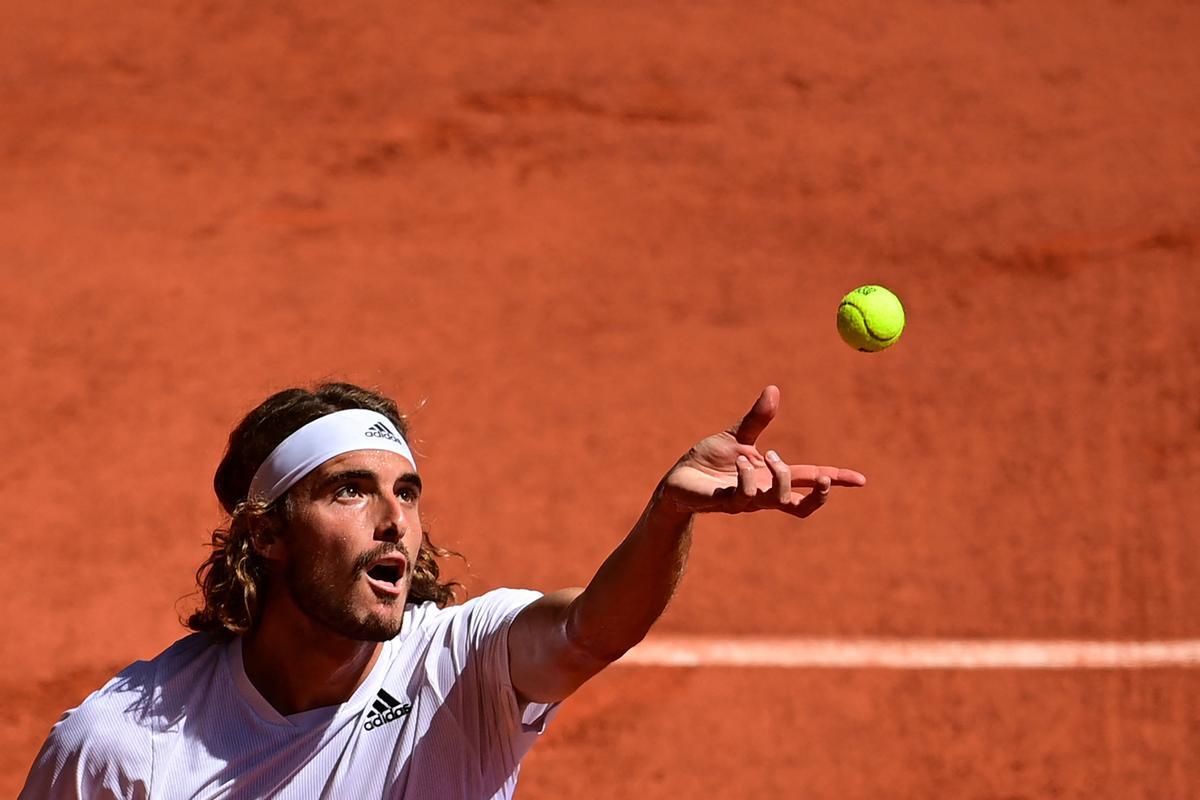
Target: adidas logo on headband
381,431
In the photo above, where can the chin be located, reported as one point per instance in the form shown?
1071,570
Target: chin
374,628
371,622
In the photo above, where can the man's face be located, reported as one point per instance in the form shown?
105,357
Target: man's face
351,543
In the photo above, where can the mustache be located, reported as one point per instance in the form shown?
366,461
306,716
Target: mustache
386,549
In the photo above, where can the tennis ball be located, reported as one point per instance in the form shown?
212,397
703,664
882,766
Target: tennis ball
870,319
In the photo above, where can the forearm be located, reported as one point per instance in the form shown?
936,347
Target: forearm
634,584
563,638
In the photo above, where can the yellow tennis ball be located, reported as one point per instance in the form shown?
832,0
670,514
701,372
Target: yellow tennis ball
870,319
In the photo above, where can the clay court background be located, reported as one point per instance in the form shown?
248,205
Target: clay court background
580,236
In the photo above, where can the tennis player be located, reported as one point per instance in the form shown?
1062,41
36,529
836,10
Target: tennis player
330,660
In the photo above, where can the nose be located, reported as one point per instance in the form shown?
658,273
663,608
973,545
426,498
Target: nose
391,525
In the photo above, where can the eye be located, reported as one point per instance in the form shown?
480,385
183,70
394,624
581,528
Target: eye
408,494
349,492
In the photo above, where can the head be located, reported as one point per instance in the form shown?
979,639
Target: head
344,544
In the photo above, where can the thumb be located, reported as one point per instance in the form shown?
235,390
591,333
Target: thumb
757,418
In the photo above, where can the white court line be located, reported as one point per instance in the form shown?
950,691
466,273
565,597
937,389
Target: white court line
802,653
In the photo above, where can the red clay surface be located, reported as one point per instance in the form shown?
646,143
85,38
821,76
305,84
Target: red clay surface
585,236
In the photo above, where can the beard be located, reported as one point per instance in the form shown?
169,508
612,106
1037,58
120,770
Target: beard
317,592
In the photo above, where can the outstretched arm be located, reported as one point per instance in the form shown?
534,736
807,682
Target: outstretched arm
566,637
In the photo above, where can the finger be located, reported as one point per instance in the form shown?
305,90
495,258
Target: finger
747,485
813,500
782,474
757,418
808,475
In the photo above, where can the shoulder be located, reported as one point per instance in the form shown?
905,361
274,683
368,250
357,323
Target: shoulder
499,603
107,738
488,613
108,716
102,744
459,631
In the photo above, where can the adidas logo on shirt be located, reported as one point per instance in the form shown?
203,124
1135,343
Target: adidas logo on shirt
385,709
381,431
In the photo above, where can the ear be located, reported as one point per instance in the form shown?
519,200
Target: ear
265,537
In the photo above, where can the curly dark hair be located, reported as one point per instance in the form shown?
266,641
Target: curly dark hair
233,577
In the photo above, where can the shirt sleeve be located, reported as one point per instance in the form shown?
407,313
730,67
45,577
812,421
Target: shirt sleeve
489,619
93,752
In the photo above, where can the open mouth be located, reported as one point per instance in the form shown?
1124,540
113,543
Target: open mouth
385,570
388,573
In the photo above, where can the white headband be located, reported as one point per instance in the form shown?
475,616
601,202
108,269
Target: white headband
320,440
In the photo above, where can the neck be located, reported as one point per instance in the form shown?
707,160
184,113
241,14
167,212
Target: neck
298,664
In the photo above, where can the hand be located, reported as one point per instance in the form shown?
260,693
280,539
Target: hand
726,473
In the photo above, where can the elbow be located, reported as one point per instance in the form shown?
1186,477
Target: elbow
594,642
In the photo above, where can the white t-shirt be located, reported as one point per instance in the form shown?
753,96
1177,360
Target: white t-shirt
437,717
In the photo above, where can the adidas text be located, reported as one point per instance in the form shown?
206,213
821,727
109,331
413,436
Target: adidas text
385,709
375,720
378,431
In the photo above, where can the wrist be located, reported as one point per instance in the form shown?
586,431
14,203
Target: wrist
663,512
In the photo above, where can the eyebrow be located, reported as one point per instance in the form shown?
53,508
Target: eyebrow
366,474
